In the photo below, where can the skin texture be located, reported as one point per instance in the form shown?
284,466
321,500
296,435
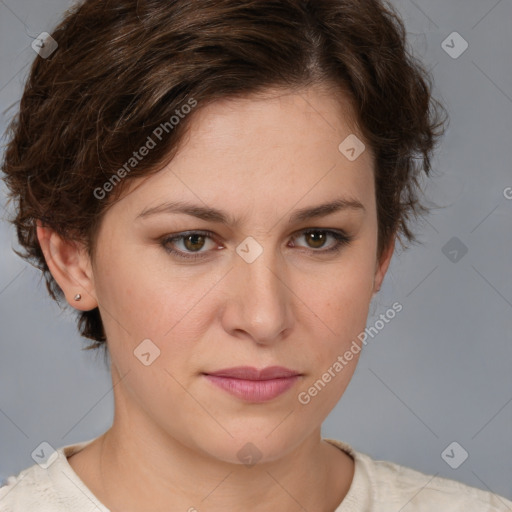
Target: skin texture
175,437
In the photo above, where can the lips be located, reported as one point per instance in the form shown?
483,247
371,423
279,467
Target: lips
253,385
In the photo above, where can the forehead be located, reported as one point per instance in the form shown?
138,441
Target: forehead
277,115
274,147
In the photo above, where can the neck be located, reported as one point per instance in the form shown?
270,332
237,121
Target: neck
140,475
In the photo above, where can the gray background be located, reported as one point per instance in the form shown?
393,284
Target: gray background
438,372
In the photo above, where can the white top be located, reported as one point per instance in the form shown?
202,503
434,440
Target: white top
377,486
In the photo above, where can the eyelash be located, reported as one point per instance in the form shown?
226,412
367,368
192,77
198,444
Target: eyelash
341,238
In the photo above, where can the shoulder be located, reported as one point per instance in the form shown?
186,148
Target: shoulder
29,490
421,491
49,487
393,487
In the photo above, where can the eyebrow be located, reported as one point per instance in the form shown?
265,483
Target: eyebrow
215,215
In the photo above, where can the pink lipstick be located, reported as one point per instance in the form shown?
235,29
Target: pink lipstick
254,385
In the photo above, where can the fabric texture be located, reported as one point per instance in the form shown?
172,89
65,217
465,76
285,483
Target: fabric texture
377,486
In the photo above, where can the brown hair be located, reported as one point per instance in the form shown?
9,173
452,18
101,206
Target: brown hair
124,71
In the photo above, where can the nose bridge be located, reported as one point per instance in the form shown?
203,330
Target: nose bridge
261,300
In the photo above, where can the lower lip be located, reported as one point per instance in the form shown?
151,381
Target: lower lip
254,390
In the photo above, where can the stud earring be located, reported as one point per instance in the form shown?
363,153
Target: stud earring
77,297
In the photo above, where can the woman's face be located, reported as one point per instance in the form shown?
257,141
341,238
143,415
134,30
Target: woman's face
255,175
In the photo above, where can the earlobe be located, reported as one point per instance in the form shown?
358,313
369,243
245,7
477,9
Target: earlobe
70,266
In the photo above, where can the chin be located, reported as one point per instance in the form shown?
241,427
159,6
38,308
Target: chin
251,445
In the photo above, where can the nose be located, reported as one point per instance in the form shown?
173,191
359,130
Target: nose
258,305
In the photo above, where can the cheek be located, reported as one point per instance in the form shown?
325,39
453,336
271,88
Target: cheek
333,348
340,301
168,305
342,295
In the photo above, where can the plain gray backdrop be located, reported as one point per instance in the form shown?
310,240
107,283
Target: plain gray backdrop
438,373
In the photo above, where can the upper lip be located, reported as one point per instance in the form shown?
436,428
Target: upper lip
251,373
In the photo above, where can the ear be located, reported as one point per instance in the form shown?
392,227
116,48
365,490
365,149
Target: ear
70,266
382,265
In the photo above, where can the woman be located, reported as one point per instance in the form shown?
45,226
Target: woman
217,187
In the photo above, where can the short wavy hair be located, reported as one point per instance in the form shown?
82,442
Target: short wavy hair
124,70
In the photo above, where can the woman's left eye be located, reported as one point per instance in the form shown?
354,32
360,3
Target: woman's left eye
194,241
318,237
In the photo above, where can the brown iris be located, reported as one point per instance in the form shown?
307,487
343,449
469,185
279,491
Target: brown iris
317,237
196,242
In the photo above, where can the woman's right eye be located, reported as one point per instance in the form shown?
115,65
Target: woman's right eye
192,241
